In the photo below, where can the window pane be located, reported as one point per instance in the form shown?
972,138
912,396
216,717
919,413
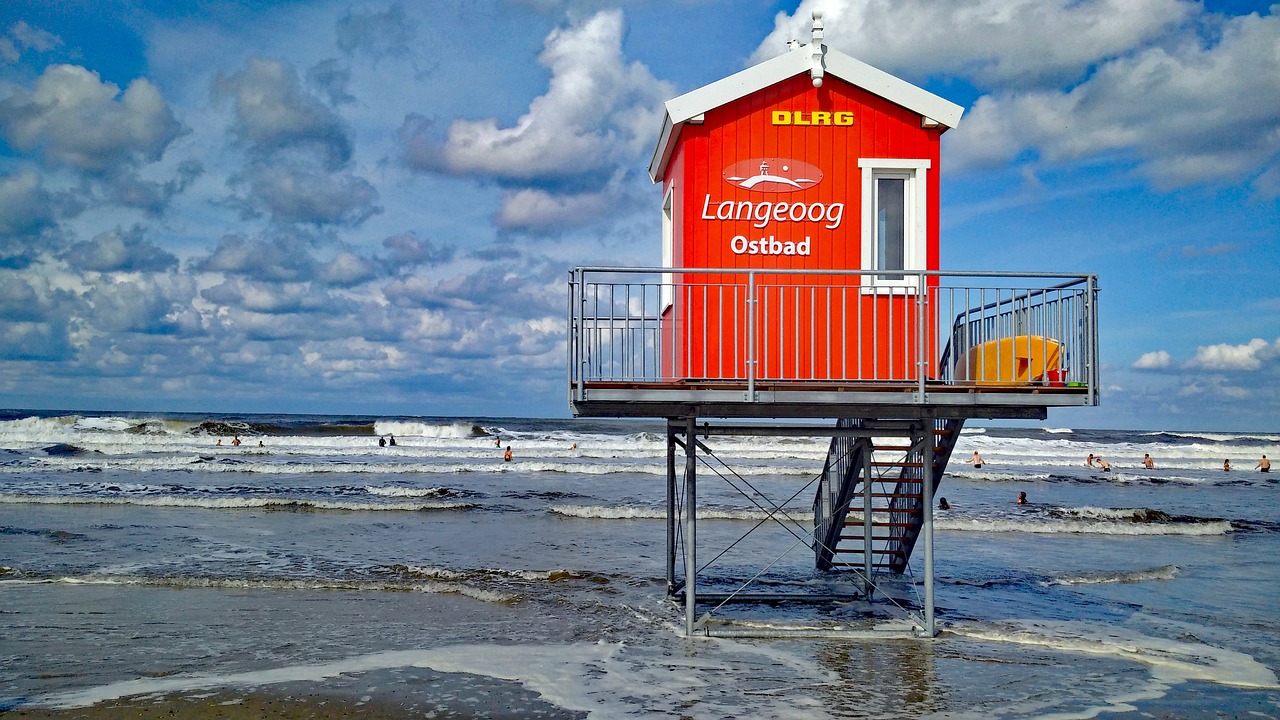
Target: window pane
891,226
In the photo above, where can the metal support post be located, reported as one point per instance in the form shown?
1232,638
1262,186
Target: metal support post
671,510
751,366
927,530
690,523
868,545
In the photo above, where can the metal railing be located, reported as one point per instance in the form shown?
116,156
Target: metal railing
714,325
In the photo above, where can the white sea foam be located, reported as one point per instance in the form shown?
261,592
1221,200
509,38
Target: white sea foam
482,594
1168,572
1096,527
499,574
407,491
648,513
1172,661
272,503
409,428
601,679
247,462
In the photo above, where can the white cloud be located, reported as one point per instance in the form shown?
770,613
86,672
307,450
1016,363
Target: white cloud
535,209
297,193
1177,109
995,42
273,112
1250,356
377,34
74,119
25,207
30,37
597,112
1152,360
120,251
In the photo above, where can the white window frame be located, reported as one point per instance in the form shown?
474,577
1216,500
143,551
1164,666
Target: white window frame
665,293
916,228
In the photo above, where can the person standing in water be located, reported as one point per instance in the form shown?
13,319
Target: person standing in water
976,460
506,457
1022,498
1226,465
1264,465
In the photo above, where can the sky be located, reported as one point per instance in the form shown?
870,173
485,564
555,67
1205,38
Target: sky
372,207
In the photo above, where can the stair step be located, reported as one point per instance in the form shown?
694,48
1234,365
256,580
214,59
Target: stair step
894,463
938,450
879,523
860,551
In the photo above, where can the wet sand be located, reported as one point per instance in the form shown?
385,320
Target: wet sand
397,694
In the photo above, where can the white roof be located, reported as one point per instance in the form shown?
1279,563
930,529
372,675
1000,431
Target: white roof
799,59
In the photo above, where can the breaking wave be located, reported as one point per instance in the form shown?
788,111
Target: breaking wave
1167,572
234,503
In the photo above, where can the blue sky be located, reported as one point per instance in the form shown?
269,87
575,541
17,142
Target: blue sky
339,207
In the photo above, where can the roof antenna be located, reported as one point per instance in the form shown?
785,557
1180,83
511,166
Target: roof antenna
817,49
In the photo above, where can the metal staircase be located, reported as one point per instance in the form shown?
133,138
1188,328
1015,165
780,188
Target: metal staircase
869,508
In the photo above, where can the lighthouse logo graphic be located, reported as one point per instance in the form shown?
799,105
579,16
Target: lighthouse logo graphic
772,175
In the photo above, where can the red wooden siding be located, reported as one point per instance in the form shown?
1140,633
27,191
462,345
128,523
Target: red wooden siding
808,327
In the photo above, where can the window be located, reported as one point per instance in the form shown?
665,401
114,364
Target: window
668,248
893,220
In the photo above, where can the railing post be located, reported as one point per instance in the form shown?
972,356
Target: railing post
1091,315
751,336
921,364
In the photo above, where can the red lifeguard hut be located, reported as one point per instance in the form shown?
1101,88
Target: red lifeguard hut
801,278
810,162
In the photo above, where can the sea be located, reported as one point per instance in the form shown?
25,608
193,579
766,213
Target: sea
149,555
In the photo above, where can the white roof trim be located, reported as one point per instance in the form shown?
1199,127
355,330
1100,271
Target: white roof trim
798,59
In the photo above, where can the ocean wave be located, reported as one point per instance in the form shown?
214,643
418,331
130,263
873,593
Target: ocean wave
1220,437
1095,527
55,535
233,503
482,594
1136,515
251,462
486,574
409,492
1167,572
617,512
413,428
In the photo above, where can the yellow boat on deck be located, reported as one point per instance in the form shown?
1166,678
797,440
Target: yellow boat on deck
1017,360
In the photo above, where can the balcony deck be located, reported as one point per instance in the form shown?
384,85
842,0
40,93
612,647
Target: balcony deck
807,399
671,342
